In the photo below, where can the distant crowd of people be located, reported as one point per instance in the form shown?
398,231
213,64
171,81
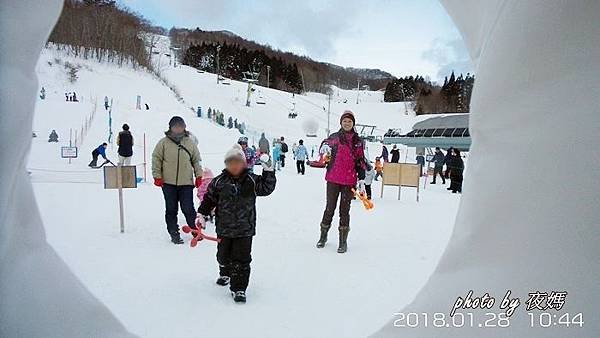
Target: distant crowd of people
71,97
454,168
452,160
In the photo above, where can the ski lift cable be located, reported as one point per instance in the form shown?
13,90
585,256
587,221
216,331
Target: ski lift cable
316,105
287,107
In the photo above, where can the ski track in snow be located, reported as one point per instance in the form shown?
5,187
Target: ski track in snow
160,290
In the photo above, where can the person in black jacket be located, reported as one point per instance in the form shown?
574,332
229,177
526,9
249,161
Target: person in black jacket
125,143
456,166
449,154
284,150
232,195
438,169
395,154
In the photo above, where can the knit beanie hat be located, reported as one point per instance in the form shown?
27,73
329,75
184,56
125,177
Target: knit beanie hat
176,120
348,114
235,153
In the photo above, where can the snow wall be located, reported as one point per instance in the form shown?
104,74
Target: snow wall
529,216
39,295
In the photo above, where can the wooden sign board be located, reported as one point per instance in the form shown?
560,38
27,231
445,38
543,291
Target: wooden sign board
128,177
401,175
409,175
68,152
391,174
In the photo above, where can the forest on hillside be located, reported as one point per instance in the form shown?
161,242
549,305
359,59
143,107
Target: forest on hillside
104,30
454,96
238,55
110,32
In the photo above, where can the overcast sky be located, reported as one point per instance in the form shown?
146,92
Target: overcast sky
403,37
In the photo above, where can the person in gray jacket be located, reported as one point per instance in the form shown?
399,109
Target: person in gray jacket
263,144
438,159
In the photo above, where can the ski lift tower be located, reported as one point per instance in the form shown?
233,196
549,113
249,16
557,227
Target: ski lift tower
251,78
174,51
366,132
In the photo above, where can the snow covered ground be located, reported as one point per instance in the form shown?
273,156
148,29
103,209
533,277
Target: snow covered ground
160,290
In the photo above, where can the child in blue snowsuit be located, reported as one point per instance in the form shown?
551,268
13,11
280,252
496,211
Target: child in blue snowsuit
277,155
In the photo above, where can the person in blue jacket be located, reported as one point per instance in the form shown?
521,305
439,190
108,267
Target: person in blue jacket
276,155
100,151
249,152
301,157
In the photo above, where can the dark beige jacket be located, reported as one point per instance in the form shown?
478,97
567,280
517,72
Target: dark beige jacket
176,164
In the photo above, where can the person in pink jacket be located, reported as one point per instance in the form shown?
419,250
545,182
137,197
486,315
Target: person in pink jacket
346,166
207,177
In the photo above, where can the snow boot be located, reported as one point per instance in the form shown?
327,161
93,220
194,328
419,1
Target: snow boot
343,247
323,238
223,280
176,238
239,296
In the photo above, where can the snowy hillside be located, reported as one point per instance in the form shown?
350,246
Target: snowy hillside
269,108
160,290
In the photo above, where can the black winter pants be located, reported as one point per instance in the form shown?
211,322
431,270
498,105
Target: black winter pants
95,155
368,190
282,158
300,166
344,192
176,195
234,257
456,179
438,170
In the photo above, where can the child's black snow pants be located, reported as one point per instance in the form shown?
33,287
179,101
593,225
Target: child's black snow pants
234,257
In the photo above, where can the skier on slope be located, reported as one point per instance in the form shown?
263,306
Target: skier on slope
175,162
344,169
100,151
232,195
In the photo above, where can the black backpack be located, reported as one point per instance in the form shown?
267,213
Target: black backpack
284,147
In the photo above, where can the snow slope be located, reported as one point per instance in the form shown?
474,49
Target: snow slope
269,108
160,290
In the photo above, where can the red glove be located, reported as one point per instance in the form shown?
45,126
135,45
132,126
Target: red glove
198,181
158,182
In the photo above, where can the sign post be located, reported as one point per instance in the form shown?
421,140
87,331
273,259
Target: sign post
120,177
120,187
70,140
401,175
68,152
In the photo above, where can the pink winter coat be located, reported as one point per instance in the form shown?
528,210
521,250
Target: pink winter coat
345,157
207,177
